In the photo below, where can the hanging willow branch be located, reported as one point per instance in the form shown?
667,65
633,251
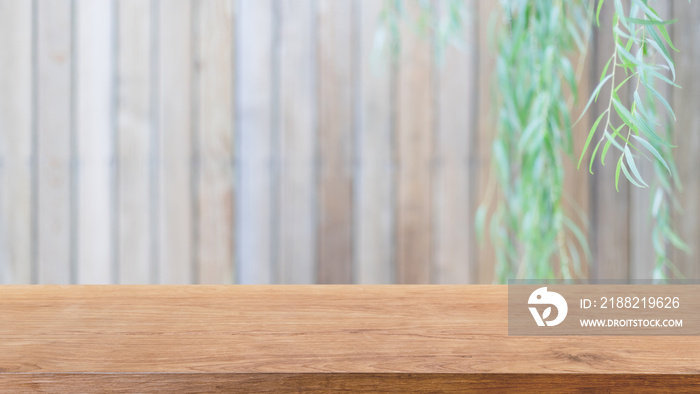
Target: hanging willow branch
641,58
530,232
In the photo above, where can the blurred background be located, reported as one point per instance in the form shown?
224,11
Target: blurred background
274,141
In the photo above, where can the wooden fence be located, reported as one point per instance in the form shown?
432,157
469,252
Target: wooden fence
267,141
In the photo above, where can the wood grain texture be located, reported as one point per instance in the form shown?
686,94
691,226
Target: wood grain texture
175,253
414,139
642,255
374,195
94,188
272,338
298,103
685,103
16,142
95,97
577,181
54,122
456,125
254,95
335,135
134,143
347,383
215,149
482,183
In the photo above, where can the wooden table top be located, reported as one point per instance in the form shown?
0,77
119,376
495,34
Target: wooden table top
258,338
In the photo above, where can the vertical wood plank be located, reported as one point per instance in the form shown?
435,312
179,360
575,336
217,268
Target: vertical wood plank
254,87
54,133
215,136
298,103
374,195
335,140
175,138
414,135
456,115
482,254
609,208
576,198
134,127
94,63
642,255
15,142
685,103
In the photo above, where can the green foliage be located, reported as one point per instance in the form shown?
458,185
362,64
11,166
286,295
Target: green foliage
530,232
442,24
642,58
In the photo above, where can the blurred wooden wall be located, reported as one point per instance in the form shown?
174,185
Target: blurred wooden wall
267,141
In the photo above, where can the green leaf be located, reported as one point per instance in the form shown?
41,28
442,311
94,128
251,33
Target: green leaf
621,33
655,37
578,234
593,95
664,33
611,142
590,164
534,129
647,131
597,12
664,55
568,73
652,150
677,241
590,137
640,107
625,115
647,22
479,221
647,10
605,69
628,176
628,56
619,11
623,82
633,166
661,99
661,77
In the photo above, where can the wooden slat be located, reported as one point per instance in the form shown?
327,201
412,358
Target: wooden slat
373,234
456,124
175,138
15,142
335,141
414,139
297,133
483,185
356,383
94,91
642,255
54,141
134,128
685,102
290,337
577,191
254,95
610,232
215,135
